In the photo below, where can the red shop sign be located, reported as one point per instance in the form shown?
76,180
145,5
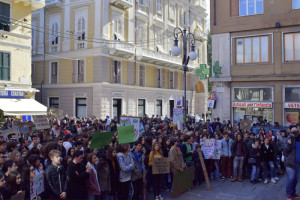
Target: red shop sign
292,105
251,105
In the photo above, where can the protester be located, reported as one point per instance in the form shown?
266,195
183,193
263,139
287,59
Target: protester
238,151
156,178
114,171
13,185
93,183
226,156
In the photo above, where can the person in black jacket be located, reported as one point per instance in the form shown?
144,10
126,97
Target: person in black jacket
268,157
238,151
255,159
56,179
114,171
77,176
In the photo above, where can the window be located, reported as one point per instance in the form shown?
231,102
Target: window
142,76
252,50
171,80
172,12
81,33
115,71
159,41
291,47
4,66
159,9
184,17
143,4
296,4
53,37
253,94
159,108
78,73
54,70
118,28
250,7
141,107
80,108
157,78
163,71
176,80
54,102
32,73
142,36
4,17
292,94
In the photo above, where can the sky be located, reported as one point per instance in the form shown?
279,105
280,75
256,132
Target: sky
208,12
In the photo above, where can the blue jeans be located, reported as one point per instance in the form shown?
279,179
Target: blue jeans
272,169
255,172
292,176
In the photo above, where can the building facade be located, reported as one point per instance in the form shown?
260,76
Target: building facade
15,54
257,45
112,57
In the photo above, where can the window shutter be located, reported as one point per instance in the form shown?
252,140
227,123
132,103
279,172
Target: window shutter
175,80
81,71
163,78
112,72
74,71
119,72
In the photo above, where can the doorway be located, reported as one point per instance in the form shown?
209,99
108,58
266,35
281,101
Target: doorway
171,103
117,108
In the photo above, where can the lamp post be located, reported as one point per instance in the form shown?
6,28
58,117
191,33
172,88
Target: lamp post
185,61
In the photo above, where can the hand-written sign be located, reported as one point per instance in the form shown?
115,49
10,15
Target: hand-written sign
36,185
160,166
24,127
11,133
41,122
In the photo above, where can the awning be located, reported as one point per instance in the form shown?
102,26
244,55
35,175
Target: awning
22,107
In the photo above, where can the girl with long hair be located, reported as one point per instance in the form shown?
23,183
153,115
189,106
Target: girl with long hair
156,178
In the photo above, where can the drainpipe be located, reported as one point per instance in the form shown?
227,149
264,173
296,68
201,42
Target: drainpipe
134,80
44,62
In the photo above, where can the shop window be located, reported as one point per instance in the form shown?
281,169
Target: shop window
141,107
292,94
54,102
253,50
253,94
80,108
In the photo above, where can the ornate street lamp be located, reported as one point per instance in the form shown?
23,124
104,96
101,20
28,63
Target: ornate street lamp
185,61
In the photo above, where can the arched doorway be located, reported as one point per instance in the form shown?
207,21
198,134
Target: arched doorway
200,98
199,87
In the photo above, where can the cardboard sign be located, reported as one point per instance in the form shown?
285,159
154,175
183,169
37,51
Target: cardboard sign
211,148
11,133
135,121
24,127
55,113
178,117
41,122
160,166
182,181
36,185
20,196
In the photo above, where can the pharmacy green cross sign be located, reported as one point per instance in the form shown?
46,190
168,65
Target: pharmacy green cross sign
217,69
203,72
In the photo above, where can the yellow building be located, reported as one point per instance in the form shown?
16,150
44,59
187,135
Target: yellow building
112,57
15,56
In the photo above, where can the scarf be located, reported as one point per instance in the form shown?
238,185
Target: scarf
138,158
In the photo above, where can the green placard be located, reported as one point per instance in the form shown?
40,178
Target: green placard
126,134
100,140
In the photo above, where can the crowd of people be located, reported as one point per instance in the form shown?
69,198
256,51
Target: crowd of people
124,171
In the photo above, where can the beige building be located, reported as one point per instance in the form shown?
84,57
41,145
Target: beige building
257,45
15,57
112,57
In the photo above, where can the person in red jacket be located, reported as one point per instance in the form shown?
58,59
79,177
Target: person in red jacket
93,183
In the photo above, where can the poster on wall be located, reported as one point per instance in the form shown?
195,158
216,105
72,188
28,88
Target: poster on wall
135,121
291,118
178,117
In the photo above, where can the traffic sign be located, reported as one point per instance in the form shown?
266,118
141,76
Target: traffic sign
213,96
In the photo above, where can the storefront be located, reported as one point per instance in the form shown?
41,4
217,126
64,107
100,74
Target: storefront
291,98
253,103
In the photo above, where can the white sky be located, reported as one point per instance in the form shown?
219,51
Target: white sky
208,12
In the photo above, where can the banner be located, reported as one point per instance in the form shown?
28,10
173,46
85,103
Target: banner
100,140
211,148
160,166
178,117
36,185
126,134
41,122
24,127
182,181
135,121
11,133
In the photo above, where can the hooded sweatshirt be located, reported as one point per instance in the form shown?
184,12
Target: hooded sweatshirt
126,165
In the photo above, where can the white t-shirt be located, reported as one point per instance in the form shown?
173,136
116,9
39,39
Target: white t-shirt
67,145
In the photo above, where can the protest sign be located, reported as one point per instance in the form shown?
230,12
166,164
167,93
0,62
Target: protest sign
36,185
178,117
41,122
126,134
11,133
55,113
135,121
211,148
100,140
160,166
24,127
19,196
183,181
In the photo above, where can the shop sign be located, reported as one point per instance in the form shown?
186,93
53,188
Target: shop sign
251,105
292,105
11,94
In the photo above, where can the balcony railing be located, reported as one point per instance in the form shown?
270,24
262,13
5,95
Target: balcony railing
121,47
201,3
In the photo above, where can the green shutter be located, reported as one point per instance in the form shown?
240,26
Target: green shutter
5,66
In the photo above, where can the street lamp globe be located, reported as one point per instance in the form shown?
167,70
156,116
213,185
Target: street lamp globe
192,55
175,49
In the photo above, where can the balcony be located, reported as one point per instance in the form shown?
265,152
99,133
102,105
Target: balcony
35,4
199,34
54,3
122,3
120,48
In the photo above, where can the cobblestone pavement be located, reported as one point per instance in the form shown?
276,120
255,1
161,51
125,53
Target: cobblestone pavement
237,191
